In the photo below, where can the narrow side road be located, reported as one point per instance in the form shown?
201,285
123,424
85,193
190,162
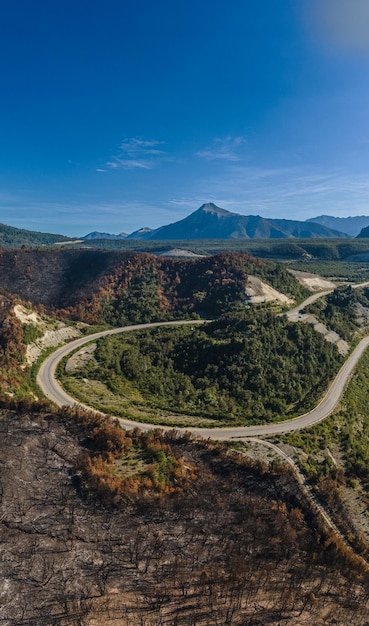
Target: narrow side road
292,314
310,495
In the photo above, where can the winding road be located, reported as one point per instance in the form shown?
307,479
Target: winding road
53,390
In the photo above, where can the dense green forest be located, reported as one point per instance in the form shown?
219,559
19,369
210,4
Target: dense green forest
249,366
339,271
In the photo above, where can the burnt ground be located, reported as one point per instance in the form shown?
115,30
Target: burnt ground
235,547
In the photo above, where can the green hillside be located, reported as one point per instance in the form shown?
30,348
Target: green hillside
11,237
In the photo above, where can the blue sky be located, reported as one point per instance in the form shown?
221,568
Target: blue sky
133,113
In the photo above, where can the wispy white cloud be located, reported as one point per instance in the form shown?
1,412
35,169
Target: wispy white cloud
137,146
226,148
136,153
129,164
290,192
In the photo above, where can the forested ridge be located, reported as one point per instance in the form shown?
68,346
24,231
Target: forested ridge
144,288
11,237
122,287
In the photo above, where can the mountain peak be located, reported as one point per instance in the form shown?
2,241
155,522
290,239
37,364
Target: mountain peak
140,233
97,235
210,207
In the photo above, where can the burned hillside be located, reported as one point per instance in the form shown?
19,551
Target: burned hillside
234,546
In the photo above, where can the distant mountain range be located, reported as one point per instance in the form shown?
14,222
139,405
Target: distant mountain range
352,226
212,222
208,222
96,235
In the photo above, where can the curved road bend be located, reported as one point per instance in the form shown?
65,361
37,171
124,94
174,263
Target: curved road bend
46,376
53,390
315,296
293,314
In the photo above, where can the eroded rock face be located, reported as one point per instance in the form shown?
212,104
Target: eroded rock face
52,332
258,292
312,281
